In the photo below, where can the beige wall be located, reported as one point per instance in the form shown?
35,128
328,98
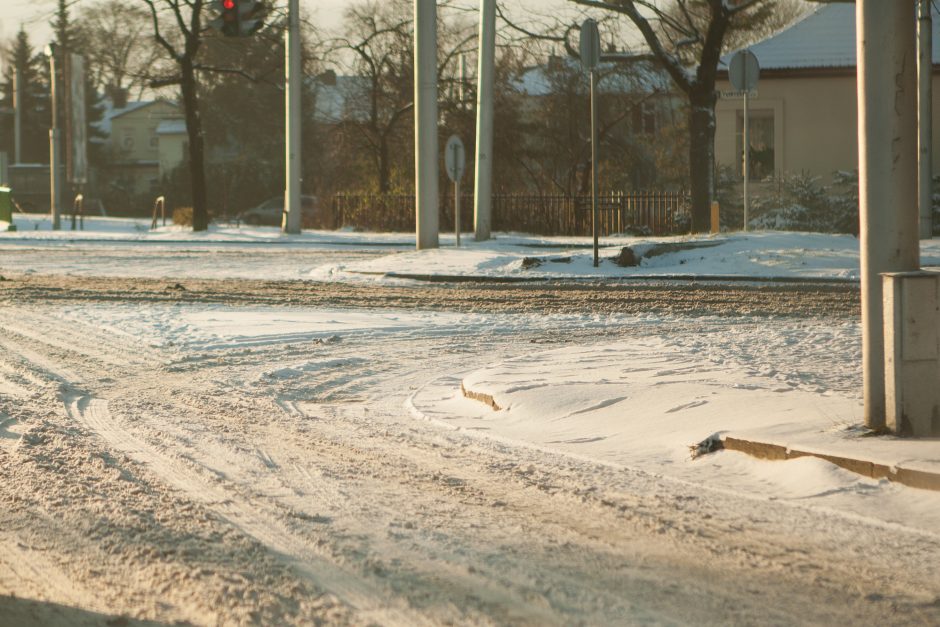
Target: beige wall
134,138
172,148
134,134
815,124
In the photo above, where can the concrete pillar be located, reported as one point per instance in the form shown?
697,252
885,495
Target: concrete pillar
483,194
293,207
426,148
925,117
887,142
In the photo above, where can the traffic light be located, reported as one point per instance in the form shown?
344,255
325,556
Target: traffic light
238,18
229,16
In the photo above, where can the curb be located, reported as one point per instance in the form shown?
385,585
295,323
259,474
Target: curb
909,477
896,474
486,399
644,278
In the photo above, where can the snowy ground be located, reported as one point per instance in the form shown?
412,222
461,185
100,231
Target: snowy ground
220,463
123,247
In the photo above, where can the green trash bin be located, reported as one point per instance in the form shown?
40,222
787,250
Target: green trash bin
6,207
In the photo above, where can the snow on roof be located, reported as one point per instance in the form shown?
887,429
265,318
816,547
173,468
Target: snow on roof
639,77
111,112
172,127
341,99
823,38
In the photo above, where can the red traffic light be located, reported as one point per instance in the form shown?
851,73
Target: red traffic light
228,5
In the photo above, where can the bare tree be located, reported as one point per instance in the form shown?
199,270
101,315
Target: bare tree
178,28
379,44
380,38
115,40
687,38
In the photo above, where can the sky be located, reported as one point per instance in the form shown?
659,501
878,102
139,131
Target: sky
35,15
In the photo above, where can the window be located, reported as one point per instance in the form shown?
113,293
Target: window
127,142
644,119
761,131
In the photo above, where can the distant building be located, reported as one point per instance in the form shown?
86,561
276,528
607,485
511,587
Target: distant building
146,140
804,117
339,98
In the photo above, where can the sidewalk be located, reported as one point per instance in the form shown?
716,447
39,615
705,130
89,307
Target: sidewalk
667,409
622,398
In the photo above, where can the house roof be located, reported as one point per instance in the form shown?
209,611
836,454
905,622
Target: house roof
823,38
175,126
639,77
110,112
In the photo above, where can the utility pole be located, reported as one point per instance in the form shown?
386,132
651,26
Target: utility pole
925,117
483,194
426,148
55,184
887,142
294,84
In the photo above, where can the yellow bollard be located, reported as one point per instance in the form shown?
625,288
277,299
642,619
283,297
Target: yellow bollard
716,226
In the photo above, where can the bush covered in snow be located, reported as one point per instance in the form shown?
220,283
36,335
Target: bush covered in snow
794,203
804,203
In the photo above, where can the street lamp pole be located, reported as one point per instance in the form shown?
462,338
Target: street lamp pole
55,157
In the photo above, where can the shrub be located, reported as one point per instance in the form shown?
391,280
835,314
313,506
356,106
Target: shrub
183,216
798,203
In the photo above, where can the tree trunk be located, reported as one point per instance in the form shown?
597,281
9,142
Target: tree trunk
197,167
702,156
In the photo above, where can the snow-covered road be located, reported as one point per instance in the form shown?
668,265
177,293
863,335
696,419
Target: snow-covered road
168,455
236,427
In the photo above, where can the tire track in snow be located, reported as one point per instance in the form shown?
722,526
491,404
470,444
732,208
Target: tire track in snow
249,517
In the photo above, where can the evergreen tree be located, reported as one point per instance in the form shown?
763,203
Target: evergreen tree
34,98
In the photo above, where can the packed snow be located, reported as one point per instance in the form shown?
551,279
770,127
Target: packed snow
126,247
638,404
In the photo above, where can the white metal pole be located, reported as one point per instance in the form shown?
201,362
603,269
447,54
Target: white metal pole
457,210
483,194
594,164
17,116
293,90
54,148
747,157
887,142
426,148
925,117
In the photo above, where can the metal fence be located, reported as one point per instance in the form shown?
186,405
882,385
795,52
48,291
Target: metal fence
618,212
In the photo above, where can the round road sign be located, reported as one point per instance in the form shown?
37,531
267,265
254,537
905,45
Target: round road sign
744,71
590,48
455,158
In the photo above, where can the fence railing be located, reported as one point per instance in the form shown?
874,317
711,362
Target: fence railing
618,212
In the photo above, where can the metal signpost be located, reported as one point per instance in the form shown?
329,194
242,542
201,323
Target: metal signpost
743,73
590,57
455,162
